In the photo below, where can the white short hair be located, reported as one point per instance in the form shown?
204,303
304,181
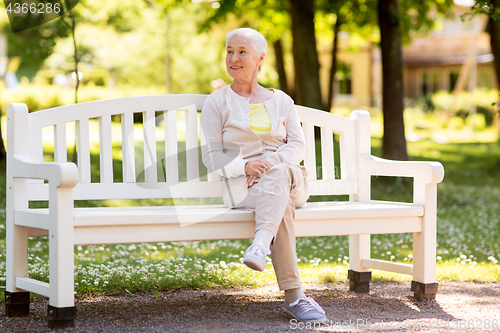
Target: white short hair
258,41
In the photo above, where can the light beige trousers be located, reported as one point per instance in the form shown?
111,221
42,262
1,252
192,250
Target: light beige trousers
274,199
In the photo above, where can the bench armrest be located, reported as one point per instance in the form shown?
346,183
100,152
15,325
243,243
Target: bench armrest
58,174
429,172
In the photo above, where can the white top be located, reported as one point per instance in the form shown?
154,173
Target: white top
225,126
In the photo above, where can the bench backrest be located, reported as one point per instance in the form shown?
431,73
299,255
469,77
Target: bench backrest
165,162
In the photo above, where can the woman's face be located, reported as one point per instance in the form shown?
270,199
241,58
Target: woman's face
242,61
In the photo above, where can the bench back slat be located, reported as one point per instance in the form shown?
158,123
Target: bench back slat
60,148
327,153
105,149
192,161
95,109
172,163
35,148
348,164
149,128
310,159
128,147
83,149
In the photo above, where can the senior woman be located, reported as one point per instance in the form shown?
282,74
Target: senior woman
255,142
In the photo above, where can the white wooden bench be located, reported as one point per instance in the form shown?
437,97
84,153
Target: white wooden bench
67,226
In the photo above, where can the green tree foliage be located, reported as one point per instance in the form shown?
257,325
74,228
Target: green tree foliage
270,18
129,48
33,45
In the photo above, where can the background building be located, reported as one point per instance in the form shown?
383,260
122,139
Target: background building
431,63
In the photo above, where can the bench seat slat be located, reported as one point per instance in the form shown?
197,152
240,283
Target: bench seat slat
328,211
115,225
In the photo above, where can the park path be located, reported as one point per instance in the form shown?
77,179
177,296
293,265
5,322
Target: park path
388,307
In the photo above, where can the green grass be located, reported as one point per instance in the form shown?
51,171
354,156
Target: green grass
468,233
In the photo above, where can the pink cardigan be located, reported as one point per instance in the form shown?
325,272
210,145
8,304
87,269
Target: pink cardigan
228,141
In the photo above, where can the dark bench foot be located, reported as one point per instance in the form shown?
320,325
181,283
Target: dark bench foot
359,282
17,304
423,291
60,318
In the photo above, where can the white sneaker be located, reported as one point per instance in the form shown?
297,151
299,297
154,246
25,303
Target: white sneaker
256,257
306,309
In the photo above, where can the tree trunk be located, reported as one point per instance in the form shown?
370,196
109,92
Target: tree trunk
494,30
333,67
495,41
393,142
3,154
73,28
280,66
305,55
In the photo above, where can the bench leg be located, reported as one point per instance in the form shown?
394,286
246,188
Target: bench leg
60,318
359,277
423,291
17,304
359,282
16,300
424,283
61,311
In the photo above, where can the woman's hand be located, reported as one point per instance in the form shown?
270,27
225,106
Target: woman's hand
251,181
257,167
